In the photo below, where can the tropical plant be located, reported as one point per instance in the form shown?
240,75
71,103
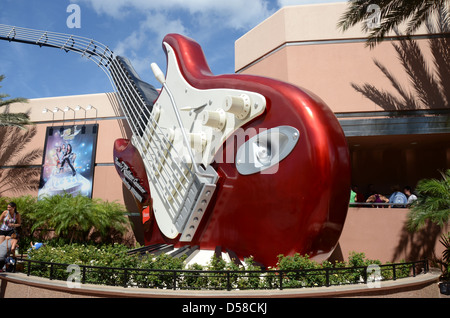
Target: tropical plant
393,13
76,216
12,119
433,203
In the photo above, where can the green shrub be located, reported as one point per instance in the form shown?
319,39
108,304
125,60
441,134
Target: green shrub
297,270
71,218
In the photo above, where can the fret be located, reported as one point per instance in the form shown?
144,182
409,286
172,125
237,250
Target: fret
160,157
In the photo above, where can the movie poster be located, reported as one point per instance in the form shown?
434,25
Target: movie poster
68,163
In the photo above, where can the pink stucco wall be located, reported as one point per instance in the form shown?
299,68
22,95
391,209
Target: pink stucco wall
381,234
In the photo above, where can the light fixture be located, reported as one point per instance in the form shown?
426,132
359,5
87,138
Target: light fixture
57,109
66,109
89,107
44,111
83,128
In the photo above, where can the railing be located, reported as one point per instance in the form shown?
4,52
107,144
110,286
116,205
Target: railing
223,280
378,205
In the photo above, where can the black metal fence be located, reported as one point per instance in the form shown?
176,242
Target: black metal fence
222,280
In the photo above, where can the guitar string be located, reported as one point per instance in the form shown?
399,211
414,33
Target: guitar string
155,156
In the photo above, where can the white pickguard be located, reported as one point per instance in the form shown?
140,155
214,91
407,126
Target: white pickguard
196,107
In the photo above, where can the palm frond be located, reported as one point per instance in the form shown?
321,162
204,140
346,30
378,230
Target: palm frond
433,202
427,88
379,97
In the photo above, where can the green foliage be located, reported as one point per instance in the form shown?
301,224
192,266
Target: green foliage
74,218
12,119
433,202
119,268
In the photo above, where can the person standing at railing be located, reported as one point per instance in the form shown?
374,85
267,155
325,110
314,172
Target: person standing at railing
410,195
377,198
398,198
355,196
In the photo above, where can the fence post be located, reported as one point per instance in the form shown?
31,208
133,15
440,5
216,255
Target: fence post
327,277
125,277
228,281
281,279
29,268
83,278
174,280
394,274
51,271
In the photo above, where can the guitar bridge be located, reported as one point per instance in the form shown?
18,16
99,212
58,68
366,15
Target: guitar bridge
196,201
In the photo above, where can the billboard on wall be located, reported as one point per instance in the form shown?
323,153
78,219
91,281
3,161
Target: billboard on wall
68,160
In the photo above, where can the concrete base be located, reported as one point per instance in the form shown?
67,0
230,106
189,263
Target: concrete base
18,285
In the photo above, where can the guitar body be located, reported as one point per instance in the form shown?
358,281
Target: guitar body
298,205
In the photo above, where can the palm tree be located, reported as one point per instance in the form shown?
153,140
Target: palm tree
433,202
12,119
393,13
75,217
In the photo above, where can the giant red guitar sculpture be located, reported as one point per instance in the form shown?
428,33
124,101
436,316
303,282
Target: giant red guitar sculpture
251,164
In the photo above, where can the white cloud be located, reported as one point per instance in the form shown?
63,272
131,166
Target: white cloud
203,20
236,14
140,46
285,3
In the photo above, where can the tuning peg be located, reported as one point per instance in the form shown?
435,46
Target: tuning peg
158,73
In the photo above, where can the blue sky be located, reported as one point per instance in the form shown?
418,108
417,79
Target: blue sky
131,28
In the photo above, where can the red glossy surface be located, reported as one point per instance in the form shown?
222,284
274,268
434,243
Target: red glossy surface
303,205
127,153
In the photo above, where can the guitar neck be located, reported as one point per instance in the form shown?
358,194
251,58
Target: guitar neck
175,187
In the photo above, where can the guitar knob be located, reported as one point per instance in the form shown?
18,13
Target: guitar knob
237,105
198,141
215,119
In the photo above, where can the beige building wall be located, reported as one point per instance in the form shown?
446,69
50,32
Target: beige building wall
112,125
303,46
